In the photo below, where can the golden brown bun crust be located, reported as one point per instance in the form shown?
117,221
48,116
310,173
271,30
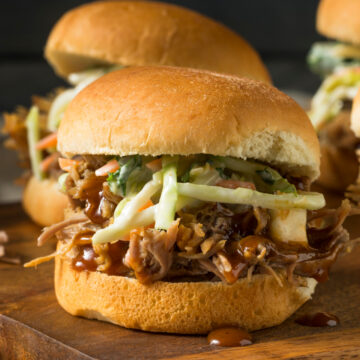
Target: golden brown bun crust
184,308
355,115
339,19
43,202
164,110
148,33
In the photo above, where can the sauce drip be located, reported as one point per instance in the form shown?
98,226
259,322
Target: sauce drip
93,195
86,259
319,319
117,253
229,336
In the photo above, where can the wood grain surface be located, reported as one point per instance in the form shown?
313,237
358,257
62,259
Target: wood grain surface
34,326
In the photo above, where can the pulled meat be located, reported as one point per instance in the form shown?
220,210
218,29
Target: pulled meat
86,190
213,242
150,253
50,231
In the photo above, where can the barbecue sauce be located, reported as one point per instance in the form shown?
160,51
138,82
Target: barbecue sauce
229,336
93,196
319,319
117,253
86,259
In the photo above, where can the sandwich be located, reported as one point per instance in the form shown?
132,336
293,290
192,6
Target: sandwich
94,39
338,61
190,202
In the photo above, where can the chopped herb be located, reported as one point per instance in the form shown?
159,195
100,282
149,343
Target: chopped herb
121,176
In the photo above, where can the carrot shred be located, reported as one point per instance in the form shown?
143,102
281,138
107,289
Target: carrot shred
145,206
47,142
67,164
142,228
154,165
109,167
45,164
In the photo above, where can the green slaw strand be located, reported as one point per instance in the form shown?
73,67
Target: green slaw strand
310,201
165,213
129,211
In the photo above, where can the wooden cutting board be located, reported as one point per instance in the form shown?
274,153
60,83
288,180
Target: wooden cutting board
34,326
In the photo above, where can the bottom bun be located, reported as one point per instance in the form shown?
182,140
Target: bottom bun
43,201
183,307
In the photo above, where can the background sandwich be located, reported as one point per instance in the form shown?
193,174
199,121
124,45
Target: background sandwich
97,38
191,203
339,62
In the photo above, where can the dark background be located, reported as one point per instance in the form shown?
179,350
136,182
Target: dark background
281,30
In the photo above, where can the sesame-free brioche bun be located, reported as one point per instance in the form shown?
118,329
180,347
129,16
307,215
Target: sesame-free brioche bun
43,201
181,307
178,111
355,115
132,33
339,19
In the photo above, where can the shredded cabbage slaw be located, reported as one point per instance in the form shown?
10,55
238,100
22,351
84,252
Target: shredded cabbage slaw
173,194
328,100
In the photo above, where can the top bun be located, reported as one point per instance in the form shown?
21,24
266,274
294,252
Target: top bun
340,20
132,33
355,115
168,110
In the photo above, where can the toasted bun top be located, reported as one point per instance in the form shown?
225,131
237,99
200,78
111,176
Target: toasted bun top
339,19
148,33
355,115
164,110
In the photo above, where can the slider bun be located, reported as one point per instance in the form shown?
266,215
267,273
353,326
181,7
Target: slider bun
43,202
339,19
165,110
148,33
184,307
